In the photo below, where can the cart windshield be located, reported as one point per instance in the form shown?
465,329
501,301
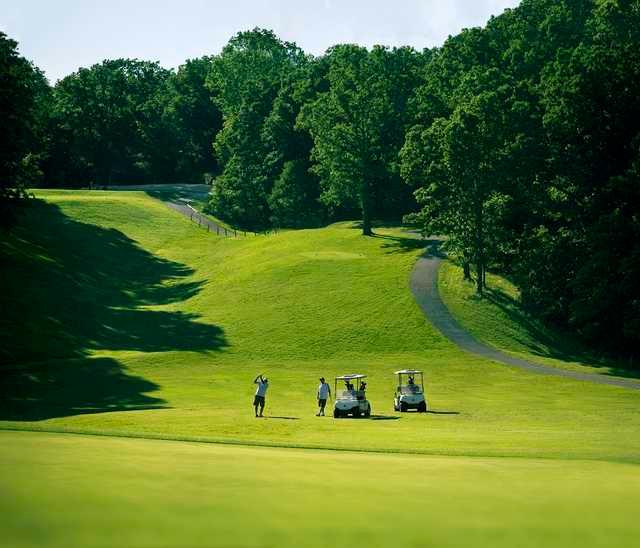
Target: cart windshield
411,389
348,395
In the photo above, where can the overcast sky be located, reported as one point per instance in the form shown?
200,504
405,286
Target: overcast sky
62,35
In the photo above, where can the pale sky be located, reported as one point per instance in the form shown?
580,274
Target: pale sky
62,35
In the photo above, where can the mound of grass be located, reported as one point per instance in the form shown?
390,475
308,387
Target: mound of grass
497,319
123,492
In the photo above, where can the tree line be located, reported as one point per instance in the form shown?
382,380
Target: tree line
519,141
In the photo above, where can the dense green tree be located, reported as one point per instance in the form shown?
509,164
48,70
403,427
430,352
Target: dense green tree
558,157
357,125
24,96
111,117
460,162
193,115
294,197
245,80
400,69
590,95
288,148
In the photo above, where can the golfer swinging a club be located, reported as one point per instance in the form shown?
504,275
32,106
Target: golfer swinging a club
261,391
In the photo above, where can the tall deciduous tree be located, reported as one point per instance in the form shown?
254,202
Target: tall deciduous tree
460,161
346,125
245,79
294,199
24,95
192,113
111,117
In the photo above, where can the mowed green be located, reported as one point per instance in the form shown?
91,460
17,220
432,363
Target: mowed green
126,319
87,491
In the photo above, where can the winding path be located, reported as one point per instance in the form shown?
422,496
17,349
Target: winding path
424,286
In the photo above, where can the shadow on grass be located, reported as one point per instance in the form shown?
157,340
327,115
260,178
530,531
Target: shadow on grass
411,242
71,288
73,387
178,195
433,412
384,418
169,192
281,418
553,343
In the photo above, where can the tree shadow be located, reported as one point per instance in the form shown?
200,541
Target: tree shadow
553,343
169,192
433,412
73,387
384,418
70,288
178,195
405,244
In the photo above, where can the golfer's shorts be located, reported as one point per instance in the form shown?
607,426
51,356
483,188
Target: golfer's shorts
322,403
258,400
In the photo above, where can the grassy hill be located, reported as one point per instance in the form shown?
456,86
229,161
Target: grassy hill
498,319
124,319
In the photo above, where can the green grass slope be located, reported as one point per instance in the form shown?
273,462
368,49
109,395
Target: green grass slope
497,319
122,492
125,318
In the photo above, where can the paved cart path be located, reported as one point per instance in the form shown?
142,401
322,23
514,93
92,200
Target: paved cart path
424,286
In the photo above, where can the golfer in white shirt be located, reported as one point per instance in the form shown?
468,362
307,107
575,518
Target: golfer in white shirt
261,392
324,392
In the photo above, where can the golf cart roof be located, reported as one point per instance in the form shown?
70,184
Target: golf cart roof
408,372
350,377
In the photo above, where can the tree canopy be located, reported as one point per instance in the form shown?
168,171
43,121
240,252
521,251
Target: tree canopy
23,96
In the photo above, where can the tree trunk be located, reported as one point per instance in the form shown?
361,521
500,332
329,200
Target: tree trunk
466,268
479,244
366,209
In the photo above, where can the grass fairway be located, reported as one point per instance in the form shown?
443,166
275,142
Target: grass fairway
123,318
123,492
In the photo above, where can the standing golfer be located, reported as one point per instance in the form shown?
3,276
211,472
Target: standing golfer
261,392
324,392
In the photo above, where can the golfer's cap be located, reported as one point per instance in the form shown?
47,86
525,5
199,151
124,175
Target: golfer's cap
322,379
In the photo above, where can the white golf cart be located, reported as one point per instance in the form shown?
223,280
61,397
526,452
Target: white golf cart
351,399
410,391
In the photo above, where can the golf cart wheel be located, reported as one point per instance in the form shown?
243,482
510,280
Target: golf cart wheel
422,407
356,413
367,413
403,407
336,414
